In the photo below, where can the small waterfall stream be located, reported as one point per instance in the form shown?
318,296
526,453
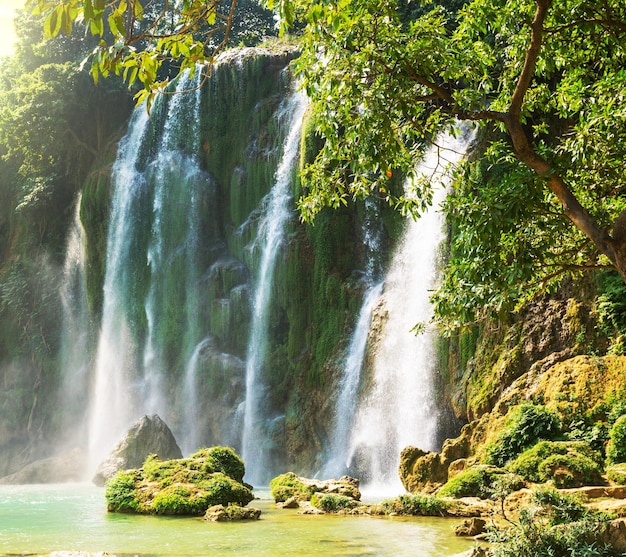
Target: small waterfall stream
400,408
111,405
349,386
75,341
277,209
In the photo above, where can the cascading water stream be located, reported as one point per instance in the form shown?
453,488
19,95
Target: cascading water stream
111,399
144,272
74,356
348,389
278,207
400,407
177,177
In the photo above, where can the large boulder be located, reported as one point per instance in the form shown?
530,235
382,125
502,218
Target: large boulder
149,435
66,467
182,486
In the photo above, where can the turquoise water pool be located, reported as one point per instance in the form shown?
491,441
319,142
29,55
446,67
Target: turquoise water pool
40,519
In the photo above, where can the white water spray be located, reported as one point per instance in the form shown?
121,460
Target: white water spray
128,371
400,408
349,386
75,341
278,207
111,406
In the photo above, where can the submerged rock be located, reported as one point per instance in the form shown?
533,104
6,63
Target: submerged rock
149,435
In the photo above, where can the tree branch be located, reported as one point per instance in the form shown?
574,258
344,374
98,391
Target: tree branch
525,151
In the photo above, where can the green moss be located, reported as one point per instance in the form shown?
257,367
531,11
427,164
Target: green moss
478,481
566,463
331,502
415,505
224,460
94,216
287,485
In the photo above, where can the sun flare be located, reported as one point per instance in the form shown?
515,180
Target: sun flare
7,30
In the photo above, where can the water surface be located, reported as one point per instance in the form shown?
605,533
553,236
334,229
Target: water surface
39,519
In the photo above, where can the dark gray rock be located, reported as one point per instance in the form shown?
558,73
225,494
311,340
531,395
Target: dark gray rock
149,435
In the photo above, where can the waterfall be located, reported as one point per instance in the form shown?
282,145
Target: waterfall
277,209
111,407
175,241
151,267
75,341
400,407
348,388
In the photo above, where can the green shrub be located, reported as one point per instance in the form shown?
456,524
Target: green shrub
478,481
617,473
120,492
415,505
566,463
556,525
616,449
527,424
288,485
331,502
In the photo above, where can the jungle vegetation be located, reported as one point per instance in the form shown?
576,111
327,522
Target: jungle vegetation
544,80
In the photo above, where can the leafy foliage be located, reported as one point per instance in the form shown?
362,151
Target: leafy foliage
141,41
616,448
385,84
567,464
611,306
557,525
527,424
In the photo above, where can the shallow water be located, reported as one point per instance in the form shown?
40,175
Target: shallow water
39,519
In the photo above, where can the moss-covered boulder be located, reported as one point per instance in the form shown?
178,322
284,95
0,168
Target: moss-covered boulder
230,513
481,481
186,486
422,471
289,485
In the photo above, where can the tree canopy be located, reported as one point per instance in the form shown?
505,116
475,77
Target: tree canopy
545,80
141,40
